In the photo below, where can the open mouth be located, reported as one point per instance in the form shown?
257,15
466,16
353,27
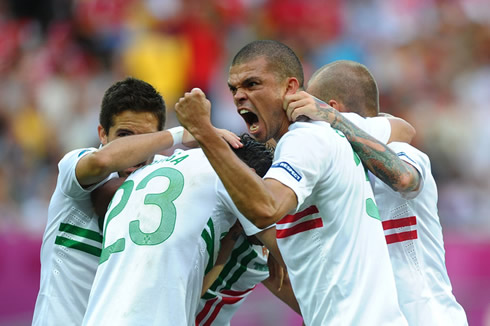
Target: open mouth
250,118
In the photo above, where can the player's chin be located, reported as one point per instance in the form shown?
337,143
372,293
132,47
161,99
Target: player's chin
258,134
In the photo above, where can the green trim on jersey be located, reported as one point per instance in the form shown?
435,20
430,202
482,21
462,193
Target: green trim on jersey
81,232
69,243
231,263
207,296
242,269
209,239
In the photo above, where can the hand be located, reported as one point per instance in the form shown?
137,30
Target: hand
189,141
230,137
194,110
276,272
302,104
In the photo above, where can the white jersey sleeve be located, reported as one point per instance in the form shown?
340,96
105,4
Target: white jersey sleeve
69,184
299,161
378,127
225,200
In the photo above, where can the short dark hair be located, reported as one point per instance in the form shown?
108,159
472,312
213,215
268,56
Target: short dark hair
256,155
281,59
131,94
348,82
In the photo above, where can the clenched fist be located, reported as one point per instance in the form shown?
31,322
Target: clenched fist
194,110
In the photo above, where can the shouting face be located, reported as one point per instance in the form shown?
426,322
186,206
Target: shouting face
258,94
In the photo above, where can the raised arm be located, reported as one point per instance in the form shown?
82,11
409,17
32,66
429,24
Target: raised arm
126,152
376,156
123,153
263,202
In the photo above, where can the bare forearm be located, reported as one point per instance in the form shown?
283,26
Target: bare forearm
285,294
121,154
268,238
247,190
376,156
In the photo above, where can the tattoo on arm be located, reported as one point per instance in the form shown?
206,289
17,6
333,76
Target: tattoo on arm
376,156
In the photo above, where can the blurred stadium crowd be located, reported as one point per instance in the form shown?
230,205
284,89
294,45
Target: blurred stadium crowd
431,59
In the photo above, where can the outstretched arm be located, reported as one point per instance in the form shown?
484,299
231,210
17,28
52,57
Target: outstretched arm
125,152
376,156
120,154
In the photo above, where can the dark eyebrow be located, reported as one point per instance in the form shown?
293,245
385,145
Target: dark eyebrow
125,130
244,83
249,80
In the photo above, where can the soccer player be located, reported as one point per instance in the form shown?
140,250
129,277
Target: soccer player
243,261
328,227
407,196
72,241
152,265
246,266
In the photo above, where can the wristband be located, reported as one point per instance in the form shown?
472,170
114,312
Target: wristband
177,134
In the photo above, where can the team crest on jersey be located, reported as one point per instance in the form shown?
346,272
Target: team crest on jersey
289,169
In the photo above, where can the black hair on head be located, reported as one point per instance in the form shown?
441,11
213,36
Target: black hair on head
256,155
281,59
131,94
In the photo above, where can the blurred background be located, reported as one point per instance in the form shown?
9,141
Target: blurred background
431,59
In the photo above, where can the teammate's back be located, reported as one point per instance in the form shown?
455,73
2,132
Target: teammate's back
416,246
149,271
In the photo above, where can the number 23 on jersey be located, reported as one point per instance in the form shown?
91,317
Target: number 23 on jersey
164,201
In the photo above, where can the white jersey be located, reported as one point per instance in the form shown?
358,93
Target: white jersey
378,127
333,243
70,250
150,272
414,236
244,269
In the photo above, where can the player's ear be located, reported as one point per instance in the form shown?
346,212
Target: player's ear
102,135
337,105
292,85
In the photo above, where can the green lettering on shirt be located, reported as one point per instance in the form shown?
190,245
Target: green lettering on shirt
177,160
